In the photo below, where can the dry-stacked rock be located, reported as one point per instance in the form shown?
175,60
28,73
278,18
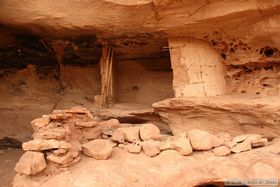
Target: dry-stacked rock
60,137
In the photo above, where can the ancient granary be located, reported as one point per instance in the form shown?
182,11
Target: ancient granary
140,92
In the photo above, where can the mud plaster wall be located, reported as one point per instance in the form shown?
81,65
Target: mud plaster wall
197,68
143,80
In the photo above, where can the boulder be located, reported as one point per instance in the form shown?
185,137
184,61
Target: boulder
110,124
41,145
118,136
133,148
259,142
178,143
202,140
221,151
151,148
40,122
241,147
149,131
31,163
131,134
64,159
99,149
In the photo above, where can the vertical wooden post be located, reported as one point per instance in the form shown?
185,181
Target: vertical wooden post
106,66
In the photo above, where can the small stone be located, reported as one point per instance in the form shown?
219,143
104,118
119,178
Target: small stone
241,147
182,145
110,124
104,136
118,136
151,148
133,148
87,124
40,145
230,144
99,149
221,151
65,159
31,163
166,145
59,152
78,110
57,133
259,142
108,132
40,122
202,140
60,116
92,132
239,139
74,161
149,132
131,134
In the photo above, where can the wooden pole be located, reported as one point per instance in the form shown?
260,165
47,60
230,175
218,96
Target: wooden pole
106,63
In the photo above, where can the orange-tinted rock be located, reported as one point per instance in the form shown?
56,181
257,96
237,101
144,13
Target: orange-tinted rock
151,148
31,163
40,122
132,148
149,132
131,134
64,159
118,136
40,145
221,151
259,142
243,146
99,149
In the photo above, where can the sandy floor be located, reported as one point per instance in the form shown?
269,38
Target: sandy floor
8,159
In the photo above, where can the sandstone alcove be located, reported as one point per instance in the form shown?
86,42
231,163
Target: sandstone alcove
139,92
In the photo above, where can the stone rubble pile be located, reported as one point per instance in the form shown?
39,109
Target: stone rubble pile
62,136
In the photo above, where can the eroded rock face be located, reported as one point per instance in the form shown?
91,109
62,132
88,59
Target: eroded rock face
226,114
